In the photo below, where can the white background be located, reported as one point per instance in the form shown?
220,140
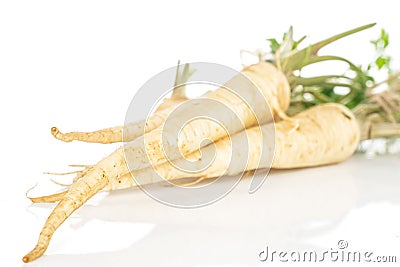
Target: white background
77,64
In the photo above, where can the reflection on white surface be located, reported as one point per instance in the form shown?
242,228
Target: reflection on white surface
83,237
366,238
306,209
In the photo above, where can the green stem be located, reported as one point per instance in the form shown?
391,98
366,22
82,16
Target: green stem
300,58
321,97
181,79
296,80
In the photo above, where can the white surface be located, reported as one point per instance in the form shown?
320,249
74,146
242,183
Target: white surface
77,64
310,209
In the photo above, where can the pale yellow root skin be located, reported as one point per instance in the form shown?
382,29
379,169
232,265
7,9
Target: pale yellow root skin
80,191
272,84
325,134
131,131
49,199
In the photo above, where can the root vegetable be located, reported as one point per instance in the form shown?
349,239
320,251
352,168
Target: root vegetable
325,134
131,131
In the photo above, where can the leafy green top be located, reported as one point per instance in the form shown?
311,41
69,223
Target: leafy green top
353,89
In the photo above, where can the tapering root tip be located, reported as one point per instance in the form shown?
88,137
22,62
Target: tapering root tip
49,199
59,135
34,254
